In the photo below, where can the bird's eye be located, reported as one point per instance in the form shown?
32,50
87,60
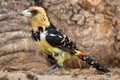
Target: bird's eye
34,12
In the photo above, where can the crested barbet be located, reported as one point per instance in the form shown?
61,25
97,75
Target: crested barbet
53,42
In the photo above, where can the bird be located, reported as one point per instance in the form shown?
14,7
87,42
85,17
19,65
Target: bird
51,41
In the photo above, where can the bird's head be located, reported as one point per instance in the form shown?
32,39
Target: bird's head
37,16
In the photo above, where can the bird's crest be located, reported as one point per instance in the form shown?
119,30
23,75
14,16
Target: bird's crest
32,8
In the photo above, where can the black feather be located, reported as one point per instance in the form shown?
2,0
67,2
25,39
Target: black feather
57,39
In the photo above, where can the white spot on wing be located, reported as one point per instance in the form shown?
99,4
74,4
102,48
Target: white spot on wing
63,38
60,36
52,35
92,62
63,44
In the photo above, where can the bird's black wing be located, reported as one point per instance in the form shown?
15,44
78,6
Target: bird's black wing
58,39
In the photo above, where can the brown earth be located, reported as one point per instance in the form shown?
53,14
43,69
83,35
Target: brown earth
85,74
93,24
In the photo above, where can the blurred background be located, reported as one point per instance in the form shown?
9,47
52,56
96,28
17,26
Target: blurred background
93,24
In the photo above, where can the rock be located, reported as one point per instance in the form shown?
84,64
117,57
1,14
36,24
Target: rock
17,50
94,2
99,18
81,21
118,36
85,4
3,17
74,2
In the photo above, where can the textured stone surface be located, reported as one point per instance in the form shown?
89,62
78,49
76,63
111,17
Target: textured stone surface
17,49
93,24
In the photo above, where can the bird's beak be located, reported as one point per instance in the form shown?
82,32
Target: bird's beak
26,13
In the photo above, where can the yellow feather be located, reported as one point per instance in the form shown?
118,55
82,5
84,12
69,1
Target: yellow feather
50,50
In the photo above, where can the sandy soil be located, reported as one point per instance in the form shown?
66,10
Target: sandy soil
75,74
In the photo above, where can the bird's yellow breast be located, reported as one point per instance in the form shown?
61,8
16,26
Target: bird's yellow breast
46,47
56,53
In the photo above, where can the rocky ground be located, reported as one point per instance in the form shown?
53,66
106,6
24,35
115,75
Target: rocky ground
93,24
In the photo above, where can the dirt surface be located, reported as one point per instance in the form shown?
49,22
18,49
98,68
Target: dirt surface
85,74
93,24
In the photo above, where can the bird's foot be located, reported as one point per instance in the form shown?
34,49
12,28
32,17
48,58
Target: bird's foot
52,69
49,71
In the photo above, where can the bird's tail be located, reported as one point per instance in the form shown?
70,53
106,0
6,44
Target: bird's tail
91,61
